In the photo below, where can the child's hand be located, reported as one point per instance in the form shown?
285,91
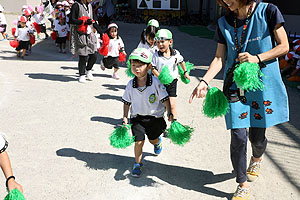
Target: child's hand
200,91
170,117
125,122
187,76
12,184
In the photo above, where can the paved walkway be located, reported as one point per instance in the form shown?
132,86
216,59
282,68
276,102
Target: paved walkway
58,132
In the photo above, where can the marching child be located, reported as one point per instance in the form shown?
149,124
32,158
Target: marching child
61,30
148,35
23,36
147,100
39,19
167,56
3,24
115,46
6,167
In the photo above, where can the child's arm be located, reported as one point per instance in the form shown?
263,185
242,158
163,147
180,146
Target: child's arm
125,113
169,113
186,75
7,171
155,72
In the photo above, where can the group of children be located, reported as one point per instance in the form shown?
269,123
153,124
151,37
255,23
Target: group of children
290,63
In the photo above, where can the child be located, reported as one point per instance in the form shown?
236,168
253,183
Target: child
147,99
29,24
61,30
3,24
148,35
115,46
167,56
39,19
23,36
6,167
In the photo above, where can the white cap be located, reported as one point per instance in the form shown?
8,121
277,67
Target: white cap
112,25
71,1
59,3
24,7
22,19
65,3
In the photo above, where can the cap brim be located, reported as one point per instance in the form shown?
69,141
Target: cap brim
133,57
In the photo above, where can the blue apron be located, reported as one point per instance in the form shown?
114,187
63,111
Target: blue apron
263,108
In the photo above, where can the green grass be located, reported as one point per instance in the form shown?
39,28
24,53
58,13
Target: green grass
200,31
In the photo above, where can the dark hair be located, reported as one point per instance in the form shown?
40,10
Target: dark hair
107,32
149,31
138,61
242,2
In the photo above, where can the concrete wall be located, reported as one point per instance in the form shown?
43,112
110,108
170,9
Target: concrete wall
16,5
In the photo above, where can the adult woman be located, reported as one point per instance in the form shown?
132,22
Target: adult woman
248,34
84,44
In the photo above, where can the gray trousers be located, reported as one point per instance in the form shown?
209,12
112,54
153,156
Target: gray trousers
238,149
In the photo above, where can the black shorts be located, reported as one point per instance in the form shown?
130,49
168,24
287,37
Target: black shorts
111,62
43,28
172,88
23,45
4,28
147,125
61,40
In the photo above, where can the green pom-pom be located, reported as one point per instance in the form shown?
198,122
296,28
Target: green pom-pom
165,76
179,134
215,103
189,66
128,70
248,76
14,194
121,137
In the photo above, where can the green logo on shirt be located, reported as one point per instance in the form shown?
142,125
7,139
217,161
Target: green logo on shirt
152,98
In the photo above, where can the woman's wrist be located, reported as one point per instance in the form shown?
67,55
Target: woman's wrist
204,81
8,179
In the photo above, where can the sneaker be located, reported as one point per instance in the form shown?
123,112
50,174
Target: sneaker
82,79
115,76
158,147
298,87
241,194
64,51
137,170
253,170
38,38
89,75
102,65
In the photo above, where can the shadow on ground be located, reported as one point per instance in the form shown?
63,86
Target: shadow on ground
183,177
107,120
52,77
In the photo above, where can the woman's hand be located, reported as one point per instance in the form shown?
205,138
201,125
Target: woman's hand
247,57
200,91
187,76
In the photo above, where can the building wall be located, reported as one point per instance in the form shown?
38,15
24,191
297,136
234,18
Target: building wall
16,5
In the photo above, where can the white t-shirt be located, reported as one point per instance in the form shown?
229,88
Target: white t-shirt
159,61
147,46
39,19
62,30
148,100
22,34
2,19
30,25
114,47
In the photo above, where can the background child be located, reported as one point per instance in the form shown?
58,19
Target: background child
23,36
3,24
61,30
148,35
167,56
115,46
39,19
147,99
6,167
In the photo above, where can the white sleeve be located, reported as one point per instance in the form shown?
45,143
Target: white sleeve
55,28
68,28
154,60
3,144
179,57
161,90
121,42
126,99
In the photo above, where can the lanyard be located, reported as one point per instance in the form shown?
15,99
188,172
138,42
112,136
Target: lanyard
238,49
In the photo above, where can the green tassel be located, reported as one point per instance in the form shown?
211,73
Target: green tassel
165,76
248,76
128,70
189,66
14,194
179,134
121,137
215,103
